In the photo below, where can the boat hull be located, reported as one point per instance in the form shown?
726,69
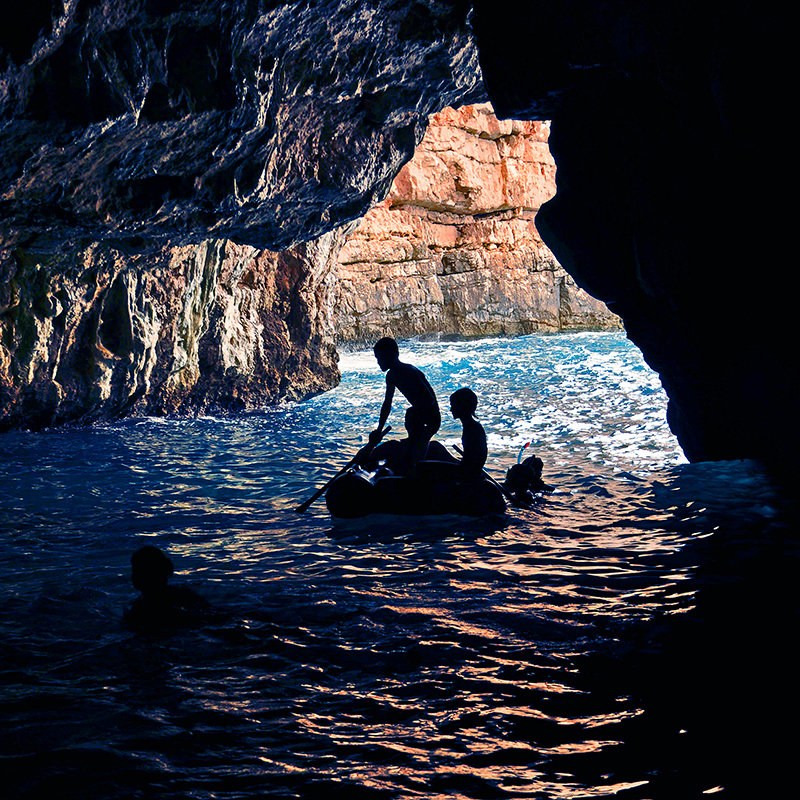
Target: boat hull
357,494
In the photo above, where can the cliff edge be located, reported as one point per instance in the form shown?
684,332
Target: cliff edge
454,248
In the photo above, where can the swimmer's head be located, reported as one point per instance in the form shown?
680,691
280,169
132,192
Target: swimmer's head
535,464
150,569
518,477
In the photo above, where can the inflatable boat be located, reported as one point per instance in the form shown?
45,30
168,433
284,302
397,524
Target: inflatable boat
357,493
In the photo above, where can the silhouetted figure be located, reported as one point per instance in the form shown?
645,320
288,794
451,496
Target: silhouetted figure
524,480
395,454
413,385
160,605
463,404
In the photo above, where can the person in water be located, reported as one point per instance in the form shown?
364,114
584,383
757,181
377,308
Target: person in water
413,385
395,454
463,404
160,605
524,480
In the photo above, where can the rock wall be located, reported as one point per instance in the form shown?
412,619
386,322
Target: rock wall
163,163
145,124
454,248
101,334
155,122
671,210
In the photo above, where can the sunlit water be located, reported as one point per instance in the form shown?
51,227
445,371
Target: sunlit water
627,637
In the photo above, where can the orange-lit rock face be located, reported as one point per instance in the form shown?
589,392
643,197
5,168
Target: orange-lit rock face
454,246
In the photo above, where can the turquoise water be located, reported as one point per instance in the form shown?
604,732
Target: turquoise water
628,637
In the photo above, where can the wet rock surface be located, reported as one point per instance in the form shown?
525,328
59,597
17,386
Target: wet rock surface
142,140
99,334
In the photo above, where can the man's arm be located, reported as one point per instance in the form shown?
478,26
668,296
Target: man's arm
387,404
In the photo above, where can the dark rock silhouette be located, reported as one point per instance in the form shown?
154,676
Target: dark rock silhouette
655,112
163,124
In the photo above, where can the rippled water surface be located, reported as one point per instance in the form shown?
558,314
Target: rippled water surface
631,636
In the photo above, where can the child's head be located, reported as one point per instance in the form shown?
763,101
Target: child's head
386,352
463,403
150,569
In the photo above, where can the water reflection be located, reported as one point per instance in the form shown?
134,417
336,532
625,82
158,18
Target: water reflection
630,636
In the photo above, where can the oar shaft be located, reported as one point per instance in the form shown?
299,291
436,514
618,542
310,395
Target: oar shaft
304,505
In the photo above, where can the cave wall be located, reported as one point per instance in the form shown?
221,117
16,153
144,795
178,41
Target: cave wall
144,125
100,334
163,122
671,210
176,178
453,249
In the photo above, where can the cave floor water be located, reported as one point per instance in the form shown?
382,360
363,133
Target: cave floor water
630,636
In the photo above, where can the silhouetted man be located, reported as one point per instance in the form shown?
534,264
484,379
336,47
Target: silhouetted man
414,386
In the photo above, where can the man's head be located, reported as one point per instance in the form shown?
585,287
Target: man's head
386,352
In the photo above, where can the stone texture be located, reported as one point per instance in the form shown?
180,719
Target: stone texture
453,248
142,123
154,122
215,327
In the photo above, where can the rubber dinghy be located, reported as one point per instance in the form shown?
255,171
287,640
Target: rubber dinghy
357,493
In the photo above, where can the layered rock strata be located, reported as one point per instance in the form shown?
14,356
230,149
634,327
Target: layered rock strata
147,124
454,248
219,326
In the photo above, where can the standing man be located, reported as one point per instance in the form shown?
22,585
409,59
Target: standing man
413,385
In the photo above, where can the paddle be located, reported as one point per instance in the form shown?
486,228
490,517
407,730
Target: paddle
510,497
363,451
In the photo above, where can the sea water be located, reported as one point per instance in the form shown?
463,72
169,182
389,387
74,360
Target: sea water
629,636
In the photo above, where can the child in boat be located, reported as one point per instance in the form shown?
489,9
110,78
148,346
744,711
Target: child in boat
395,454
413,385
463,404
160,605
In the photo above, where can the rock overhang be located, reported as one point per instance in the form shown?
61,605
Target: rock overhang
144,123
152,123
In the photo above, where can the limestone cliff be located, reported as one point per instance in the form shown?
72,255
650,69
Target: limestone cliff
454,247
218,326
147,123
